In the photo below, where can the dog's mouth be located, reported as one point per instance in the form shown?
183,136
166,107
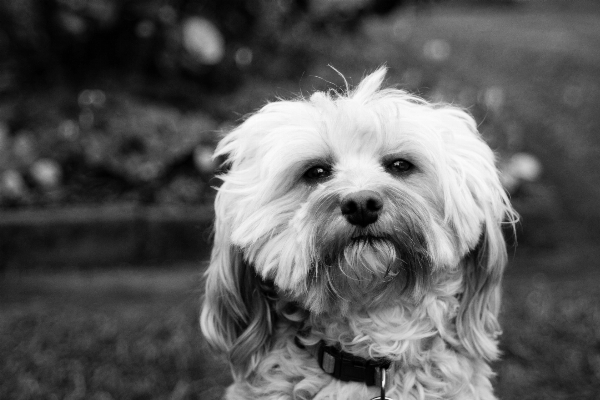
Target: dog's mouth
369,244
369,259
368,239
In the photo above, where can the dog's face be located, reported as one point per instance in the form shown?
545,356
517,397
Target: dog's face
345,201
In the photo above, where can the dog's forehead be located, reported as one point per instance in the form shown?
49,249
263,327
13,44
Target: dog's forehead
360,132
296,134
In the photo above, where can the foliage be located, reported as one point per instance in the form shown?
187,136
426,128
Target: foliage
112,100
94,147
75,41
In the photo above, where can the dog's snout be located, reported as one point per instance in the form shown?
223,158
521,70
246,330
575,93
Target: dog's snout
362,208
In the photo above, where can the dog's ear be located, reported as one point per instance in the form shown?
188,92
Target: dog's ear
237,315
477,323
476,207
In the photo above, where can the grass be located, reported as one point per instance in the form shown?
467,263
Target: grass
551,340
133,334
102,335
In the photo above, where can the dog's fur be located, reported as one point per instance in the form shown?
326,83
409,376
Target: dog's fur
420,286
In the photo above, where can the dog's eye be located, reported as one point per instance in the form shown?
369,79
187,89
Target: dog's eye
317,173
399,166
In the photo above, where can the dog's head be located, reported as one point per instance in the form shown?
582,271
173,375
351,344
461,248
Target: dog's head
345,200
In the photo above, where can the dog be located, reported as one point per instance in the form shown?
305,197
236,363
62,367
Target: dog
358,250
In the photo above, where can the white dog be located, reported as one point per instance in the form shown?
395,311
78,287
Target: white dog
358,250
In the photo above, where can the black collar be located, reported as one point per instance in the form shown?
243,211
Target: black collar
345,366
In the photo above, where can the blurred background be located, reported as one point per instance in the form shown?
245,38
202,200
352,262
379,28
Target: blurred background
109,113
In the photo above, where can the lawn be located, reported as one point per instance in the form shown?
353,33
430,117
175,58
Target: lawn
133,334
120,334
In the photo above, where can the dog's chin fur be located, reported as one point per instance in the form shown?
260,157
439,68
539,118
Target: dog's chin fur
419,286
364,271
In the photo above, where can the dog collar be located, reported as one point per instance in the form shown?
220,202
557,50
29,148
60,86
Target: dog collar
345,366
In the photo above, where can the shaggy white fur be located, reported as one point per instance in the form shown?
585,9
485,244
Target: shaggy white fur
414,279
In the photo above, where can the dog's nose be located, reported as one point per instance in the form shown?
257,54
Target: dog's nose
362,207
